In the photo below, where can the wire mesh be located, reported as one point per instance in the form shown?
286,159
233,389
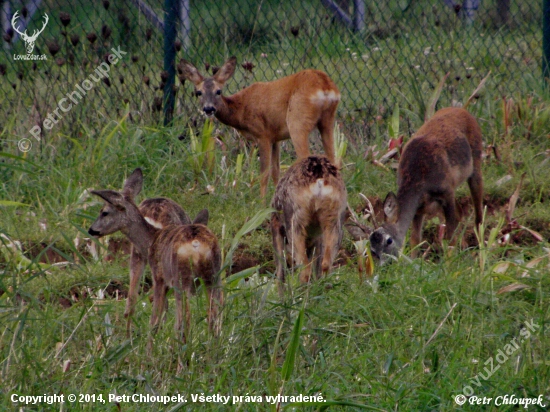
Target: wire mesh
379,53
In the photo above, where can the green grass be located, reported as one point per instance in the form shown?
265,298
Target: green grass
411,340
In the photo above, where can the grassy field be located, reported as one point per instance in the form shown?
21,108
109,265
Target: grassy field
410,337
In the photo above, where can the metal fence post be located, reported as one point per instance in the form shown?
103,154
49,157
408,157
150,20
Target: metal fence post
185,10
358,15
171,14
546,43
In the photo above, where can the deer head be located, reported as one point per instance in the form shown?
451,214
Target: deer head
209,90
29,40
119,212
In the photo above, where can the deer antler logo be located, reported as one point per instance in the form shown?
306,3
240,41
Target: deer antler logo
29,40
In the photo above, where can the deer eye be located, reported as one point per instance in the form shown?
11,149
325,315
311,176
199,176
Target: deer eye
389,241
198,93
218,92
103,214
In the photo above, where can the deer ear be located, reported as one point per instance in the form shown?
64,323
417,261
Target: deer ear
133,184
391,208
202,218
190,72
110,196
226,71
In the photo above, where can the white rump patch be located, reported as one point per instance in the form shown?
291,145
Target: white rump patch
194,251
323,96
153,223
319,188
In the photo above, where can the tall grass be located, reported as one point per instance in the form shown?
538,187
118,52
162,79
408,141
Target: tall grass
413,341
410,339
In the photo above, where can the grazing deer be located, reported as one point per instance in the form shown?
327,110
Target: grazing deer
159,212
179,255
443,153
310,203
269,112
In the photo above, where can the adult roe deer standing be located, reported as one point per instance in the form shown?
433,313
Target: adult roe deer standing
310,203
443,153
159,212
178,254
291,107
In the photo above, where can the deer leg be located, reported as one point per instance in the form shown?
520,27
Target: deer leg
158,304
416,234
265,148
158,299
275,163
278,246
299,251
137,266
215,298
326,128
451,217
332,231
314,253
179,309
300,125
475,182
187,326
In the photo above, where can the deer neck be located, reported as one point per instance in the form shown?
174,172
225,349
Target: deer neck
230,112
141,234
408,202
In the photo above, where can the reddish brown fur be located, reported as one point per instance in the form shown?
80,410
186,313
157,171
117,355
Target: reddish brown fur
161,247
445,152
171,270
164,212
272,111
310,203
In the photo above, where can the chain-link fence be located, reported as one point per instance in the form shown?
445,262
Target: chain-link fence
378,53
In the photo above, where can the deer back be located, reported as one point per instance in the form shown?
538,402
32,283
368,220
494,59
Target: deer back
311,191
185,253
161,212
441,153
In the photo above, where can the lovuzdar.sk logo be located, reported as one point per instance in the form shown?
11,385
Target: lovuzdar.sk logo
29,40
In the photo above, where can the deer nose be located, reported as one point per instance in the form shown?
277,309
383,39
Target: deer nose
93,232
209,110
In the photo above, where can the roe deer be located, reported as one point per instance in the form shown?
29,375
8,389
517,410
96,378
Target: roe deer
310,203
159,212
291,107
443,153
178,254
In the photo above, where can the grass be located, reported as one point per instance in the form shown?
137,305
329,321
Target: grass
413,342
410,338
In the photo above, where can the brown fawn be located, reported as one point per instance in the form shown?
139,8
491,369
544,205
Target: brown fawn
180,256
159,212
444,153
291,107
310,203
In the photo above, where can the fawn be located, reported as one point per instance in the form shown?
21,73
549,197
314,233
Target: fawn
443,153
268,112
180,255
310,203
159,212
